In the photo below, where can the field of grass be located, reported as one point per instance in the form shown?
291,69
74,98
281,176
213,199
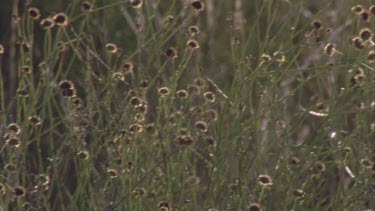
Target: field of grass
187,105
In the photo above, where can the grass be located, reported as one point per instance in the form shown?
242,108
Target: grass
188,105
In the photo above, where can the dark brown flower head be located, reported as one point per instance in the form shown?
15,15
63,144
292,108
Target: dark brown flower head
192,44
197,5
299,193
3,189
371,56
61,19
192,31
182,94
264,180
2,50
10,167
294,160
142,108
165,206
83,155
135,128
23,92
19,191
14,128
329,49
358,9
358,43
365,33
372,9
135,101
86,6
35,120
171,53
66,84
47,23
366,163
111,47
144,83
140,192
129,166
201,126
112,173
164,91
128,68
317,24
209,96
26,69
255,207
318,167
34,13
118,76
365,16
184,139
136,3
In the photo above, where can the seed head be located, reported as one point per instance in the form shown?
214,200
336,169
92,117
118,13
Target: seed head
171,53
255,207
86,6
61,19
209,96
184,140
264,180
47,23
358,43
14,128
201,126
197,5
329,49
299,193
111,48
372,9
83,155
192,31
112,173
10,167
3,189
35,120
366,163
182,94
192,44
358,9
317,24
34,13
136,3
164,91
365,33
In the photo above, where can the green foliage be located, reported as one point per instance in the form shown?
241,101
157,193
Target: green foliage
187,105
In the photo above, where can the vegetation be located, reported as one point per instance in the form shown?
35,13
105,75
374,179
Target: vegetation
187,105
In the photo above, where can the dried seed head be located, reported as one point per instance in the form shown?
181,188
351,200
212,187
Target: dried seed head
112,173
192,31
22,92
134,101
83,155
86,6
1,49
298,193
211,115
365,16
47,23
135,128
209,96
358,9
61,19
171,53
358,43
371,56
372,105
128,68
26,69
136,3
3,189
111,48
255,207
66,84
365,33
192,44
197,5
193,89
129,166
366,163
118,76
329,49
265,57
318,168
10,167
34,13
201,126
164,91
142,108
184,140
372,9
264,180
19,191
14,129
140,192
35,120
144,83
200,82
317,24
150,127
182,94
69,93
294,160
165,206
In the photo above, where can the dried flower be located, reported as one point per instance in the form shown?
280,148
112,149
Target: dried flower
61,19
136,3
365,33
329,49
209,96
197,5
255,207
10,167
14,128
182,94
371,56
358,43
299,193
3,190
35,120
112,173
34,13
47,23
366,163
201,126
318,168
358,9
164,91
192,44
184,139
111,47
83,155
86,6
264,180
171,53
19,191
192,31
317,24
